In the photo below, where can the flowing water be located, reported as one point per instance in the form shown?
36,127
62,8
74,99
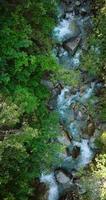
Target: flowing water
73,122
50,180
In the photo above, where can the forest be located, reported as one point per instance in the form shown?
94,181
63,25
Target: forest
52,100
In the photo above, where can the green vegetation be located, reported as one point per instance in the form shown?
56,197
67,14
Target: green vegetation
27,128
94,61
68,77
21,158
94,182
95,57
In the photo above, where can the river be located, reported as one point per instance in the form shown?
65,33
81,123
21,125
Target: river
74,25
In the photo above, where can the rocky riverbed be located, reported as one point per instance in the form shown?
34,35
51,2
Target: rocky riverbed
79,127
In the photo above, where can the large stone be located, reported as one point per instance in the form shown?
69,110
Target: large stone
69,165
75,131
62,178
83,11
69,150
64,140
57,89
72,45
77,3
47,84
51,104
73,151
91,129
74,29
87,25
40,191
69,9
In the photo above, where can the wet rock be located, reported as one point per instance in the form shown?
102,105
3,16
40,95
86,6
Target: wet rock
83,88
74,131
79,115
67,94
56,92
57,89
69,9
73,151
77,3
40,191
51,105
64,180
61,177
63,140
72,45
74,28
92,144
84,45
69,164
91,129
69,150
47,84
87,25
83,11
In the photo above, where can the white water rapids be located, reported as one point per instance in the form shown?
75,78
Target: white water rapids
53,188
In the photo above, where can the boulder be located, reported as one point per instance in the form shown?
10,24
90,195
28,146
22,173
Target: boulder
57,89
62,178
83,11
69,164
75,131
77,3
76,10
91,129
69,9
40,191
69,150
51,104
63,140
72,45
48,84
74,29
73,151
87,25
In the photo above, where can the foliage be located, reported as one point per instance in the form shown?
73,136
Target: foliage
95,183
21,156
25,50
103,139
25,55
9,112
101,142
94,60
68,77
